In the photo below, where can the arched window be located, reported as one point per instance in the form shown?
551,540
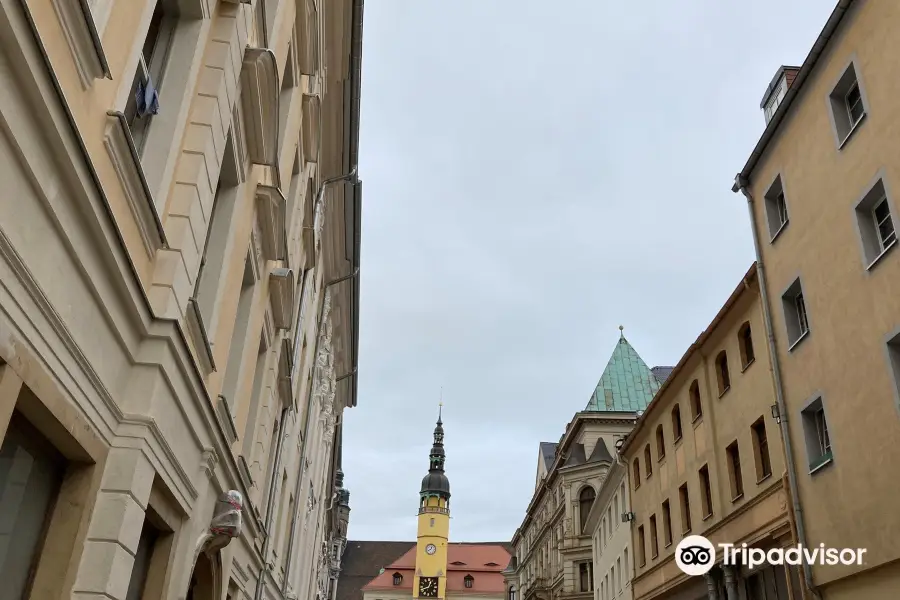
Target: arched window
398,578
660,443
512,592
647,464
745,341
469,581
585,501
696,407
636,473
722,372
676,422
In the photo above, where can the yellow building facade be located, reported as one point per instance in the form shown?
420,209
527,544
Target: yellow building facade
821,186
433,531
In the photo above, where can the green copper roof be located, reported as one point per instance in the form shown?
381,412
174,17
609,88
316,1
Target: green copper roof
627,383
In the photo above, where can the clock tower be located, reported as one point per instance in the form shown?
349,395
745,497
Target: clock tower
430,580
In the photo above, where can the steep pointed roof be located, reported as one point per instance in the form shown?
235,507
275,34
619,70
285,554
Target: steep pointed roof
627,383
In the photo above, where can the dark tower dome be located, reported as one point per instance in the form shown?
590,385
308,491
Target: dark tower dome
436,482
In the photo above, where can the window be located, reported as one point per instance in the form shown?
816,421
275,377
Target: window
239,339
398,578
30,477
745,341
660,442
612,580
816,435
585,576
647,464
893,354
642,551
776,208
636,473
619,512
585,501
609,521
654,545
676,422
848,104
696,406
625,563
512,592
761,450
667,523
153,544
619,571
776,98
469,581
875,223
706,489
796,318
150,71
685,508
722,377
733,456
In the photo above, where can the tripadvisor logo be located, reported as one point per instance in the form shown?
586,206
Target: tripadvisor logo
696,555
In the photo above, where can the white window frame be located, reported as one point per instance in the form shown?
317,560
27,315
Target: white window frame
859,102
802,318
824,439
883,244
781,205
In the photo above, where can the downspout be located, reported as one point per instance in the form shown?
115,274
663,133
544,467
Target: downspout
270,501
741,184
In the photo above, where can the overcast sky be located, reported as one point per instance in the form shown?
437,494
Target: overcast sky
536,176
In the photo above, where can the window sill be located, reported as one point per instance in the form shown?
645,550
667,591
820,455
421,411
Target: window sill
825,460
778,233
764,478
661,459
852,131
737,498
697,420
878,258
685,532
678,441
796,342
668,544
707,517
725,391
747,366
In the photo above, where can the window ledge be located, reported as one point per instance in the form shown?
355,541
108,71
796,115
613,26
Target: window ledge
737,498
852,131
661,458
764,478
796,342
197,330
697,420
825,460
223,414
707,517
84,42
878,258
667,545
677,442
127,164
778,233
747,366
725,391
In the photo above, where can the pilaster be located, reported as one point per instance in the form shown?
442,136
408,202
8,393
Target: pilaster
115,528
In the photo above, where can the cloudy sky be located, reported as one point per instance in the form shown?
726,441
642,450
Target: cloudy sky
536,176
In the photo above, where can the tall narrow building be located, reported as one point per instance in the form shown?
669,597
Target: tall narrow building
434,524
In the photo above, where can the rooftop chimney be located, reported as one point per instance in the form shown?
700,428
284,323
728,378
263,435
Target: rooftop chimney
777,89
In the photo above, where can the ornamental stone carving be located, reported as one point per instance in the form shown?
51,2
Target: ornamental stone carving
226,522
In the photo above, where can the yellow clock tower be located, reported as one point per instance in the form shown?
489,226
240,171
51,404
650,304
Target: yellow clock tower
430,580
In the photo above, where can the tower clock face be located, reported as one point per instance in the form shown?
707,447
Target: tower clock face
430,549
428,587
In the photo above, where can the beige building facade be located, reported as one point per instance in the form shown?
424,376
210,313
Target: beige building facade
706,459
554,546
611,537
179,259
821,185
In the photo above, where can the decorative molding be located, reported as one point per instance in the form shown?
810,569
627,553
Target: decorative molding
223,414
271,219
244,471
311,109
197,329
127,164
285,367
281,296
78,27
208,462
260,88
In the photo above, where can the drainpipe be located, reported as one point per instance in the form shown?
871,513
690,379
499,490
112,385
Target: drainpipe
347,177
741,184
270,501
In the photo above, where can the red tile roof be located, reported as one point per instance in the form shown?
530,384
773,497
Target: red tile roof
484,562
